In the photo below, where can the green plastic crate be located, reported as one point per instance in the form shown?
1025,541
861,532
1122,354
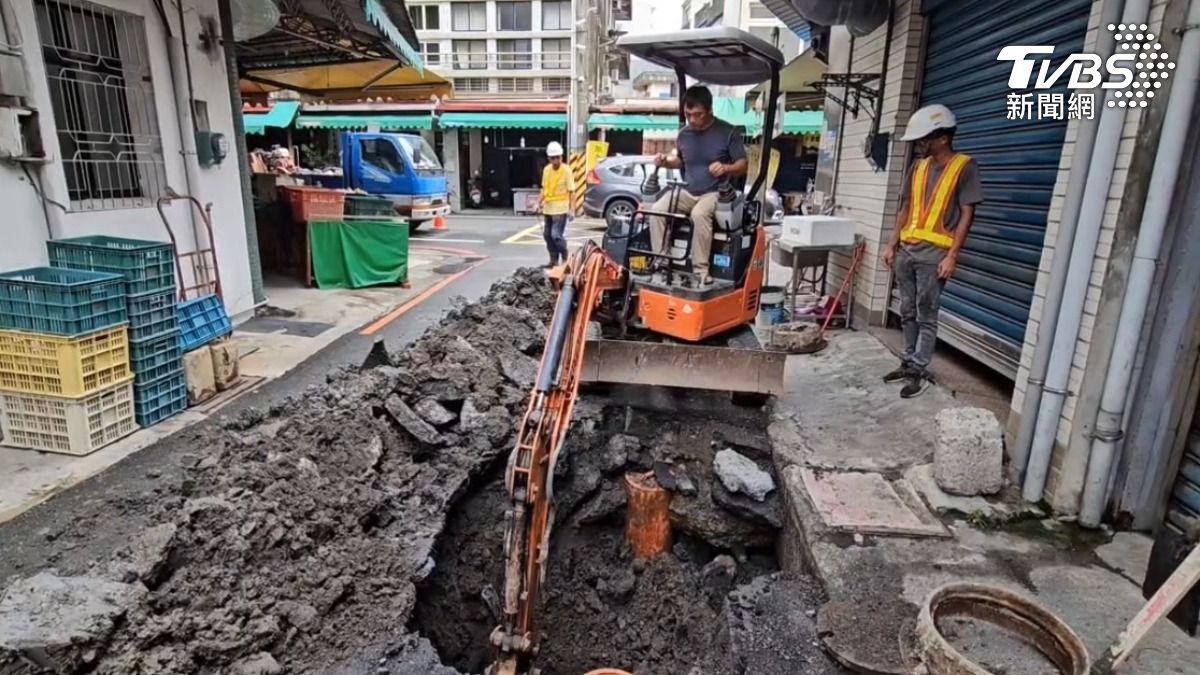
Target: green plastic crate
147,266
61,301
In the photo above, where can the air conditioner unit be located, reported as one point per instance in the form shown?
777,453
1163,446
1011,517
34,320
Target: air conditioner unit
12,133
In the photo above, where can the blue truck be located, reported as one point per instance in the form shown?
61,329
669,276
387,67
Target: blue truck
401,167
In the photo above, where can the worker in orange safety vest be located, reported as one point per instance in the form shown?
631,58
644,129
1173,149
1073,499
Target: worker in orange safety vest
937,204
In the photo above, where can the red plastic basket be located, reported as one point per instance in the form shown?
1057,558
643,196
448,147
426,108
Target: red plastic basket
314,203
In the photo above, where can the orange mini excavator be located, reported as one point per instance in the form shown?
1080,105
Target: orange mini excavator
613,325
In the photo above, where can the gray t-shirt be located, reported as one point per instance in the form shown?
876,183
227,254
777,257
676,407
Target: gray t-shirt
719,142
966,193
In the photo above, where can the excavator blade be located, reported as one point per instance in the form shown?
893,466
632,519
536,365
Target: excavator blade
663,364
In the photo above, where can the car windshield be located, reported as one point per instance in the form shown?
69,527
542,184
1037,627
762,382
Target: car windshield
420,152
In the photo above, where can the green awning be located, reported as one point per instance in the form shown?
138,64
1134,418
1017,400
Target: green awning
280,115
733,110
803,121
383,122
502,120
625,122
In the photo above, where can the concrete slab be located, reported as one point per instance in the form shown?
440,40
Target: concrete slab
848,417
866,503
1003,507
1128,554
28,478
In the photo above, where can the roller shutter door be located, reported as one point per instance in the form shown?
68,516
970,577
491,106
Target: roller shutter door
1184,502
986,305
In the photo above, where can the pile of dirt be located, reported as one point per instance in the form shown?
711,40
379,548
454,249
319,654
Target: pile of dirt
602,607
294,543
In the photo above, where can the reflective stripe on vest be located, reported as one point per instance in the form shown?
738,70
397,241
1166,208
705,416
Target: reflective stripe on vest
925,220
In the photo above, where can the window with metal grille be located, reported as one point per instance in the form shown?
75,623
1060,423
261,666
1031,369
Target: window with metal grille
471,84
102,96
556,15
468,16
470,54
514,84
556,54
557,85
425,17
514,16
514,54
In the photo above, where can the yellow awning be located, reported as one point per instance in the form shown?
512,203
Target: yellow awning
350,81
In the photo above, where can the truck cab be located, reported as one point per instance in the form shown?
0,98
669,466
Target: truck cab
401,167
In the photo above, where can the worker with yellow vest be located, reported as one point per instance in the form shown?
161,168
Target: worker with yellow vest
557,188
937,204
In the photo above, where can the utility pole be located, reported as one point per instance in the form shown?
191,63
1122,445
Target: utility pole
582,56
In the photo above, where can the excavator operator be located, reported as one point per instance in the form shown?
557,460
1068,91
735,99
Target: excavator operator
710,152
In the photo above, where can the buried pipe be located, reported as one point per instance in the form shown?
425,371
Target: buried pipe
608,671
648,520
1019,616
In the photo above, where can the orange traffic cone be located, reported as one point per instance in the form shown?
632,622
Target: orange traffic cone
439,222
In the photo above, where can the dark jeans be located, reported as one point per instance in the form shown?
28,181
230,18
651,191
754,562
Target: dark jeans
920,298
553,231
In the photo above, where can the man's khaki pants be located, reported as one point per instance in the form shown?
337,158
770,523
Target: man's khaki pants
702,210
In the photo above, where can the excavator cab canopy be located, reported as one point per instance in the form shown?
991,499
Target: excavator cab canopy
717,55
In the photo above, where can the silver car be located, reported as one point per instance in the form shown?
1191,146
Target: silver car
614,189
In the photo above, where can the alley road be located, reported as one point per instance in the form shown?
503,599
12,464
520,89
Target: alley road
485,248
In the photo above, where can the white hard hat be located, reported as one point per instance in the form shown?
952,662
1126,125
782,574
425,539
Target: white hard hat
927,120
554,149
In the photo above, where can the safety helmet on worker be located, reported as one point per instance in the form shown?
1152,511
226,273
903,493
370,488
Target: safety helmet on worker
554,149
927,120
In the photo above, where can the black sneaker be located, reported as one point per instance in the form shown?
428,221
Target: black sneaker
901,373
915,386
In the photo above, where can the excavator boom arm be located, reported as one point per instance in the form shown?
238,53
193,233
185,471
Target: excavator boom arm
582,282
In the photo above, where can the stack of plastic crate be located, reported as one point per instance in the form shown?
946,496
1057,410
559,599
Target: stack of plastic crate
65,381
148,269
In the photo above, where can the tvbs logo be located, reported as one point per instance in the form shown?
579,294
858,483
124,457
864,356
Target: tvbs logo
1136,70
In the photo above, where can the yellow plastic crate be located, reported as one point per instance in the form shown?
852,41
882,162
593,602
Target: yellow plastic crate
72,426
37,363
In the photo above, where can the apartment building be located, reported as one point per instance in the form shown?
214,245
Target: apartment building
498,48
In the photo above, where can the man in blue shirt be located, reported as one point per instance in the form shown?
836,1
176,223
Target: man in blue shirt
710,153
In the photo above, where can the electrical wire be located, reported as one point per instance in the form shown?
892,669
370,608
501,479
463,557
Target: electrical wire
36,185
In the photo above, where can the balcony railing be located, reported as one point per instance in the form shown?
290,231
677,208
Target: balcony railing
468,61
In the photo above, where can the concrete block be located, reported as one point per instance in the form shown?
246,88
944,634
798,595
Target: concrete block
968,453
225,363
739,473
201,378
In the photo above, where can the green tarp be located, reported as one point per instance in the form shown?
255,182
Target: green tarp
356,254
383,122
280,115
502,120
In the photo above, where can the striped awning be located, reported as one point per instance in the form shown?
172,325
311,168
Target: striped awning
625,122
502,120
381,122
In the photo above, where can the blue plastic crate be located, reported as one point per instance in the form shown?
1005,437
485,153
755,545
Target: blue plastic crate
201,321
156,357
152,315
61,301
147,266
159,399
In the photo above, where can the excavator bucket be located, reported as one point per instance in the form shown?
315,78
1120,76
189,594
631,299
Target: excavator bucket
733,369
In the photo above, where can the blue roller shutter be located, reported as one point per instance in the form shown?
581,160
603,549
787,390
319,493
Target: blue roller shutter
1184,503
986,305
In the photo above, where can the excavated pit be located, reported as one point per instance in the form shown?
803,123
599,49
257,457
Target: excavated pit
603,608
345,529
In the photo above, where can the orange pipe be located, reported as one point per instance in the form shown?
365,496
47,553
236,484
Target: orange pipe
608,671
648,520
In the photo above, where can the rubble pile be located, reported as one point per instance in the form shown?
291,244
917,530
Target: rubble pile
294,543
